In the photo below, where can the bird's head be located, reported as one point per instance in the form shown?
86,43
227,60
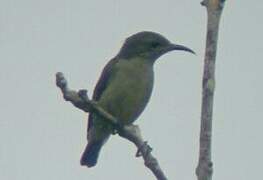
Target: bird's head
149,45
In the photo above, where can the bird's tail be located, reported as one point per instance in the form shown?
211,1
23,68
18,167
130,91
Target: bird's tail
90,155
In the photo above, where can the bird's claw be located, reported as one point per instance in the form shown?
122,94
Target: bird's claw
114,131
144,148
116,128
82,93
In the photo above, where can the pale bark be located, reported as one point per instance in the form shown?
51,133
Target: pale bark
204,169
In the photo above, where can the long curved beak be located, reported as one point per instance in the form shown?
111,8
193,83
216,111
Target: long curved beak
179,47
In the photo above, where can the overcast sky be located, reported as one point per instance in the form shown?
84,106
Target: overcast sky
42,136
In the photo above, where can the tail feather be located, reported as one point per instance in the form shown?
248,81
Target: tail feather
90,156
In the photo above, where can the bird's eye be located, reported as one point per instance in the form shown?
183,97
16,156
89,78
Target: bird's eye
155,44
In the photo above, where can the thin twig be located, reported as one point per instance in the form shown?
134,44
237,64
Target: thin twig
204,169
130,132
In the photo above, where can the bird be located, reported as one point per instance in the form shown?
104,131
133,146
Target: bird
124,87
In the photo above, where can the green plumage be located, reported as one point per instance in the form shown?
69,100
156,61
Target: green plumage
125,87
128,90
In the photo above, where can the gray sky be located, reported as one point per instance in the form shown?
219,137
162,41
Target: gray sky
42,136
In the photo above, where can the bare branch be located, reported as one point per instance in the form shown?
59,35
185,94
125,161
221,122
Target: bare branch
214,8
130,132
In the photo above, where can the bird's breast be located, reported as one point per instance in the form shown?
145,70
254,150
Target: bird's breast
128,91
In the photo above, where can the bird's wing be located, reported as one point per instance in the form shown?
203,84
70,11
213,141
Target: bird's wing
102,84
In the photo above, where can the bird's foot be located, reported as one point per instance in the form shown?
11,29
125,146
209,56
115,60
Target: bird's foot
144,148
114,131
116,128
83,93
